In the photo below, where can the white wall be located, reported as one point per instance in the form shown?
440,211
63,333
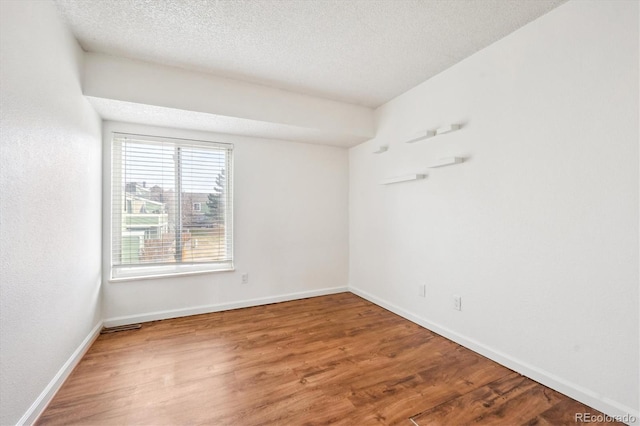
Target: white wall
50,225
290,227
538,229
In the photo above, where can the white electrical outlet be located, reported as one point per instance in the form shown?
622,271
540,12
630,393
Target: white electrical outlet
245,278
457,302
422,290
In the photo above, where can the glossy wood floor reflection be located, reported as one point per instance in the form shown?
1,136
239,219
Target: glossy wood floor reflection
332,359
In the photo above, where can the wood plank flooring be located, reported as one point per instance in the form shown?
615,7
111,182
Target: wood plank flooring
333,359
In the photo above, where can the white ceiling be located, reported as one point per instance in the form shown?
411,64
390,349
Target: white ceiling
363,52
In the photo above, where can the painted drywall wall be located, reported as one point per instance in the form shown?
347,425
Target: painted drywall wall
50,214
290,231
537,230
305,117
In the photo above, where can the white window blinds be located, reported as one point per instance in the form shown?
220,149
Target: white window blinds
172,206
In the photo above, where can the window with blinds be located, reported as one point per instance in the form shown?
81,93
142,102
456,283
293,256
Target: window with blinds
172,206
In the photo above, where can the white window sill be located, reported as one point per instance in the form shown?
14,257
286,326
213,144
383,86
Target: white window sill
155,273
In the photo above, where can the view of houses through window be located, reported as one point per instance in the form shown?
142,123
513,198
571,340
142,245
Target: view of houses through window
171,202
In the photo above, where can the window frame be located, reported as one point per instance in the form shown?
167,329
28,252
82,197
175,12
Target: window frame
147,271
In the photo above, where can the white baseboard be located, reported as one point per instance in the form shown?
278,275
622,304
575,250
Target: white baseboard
175,313
577,392
54,385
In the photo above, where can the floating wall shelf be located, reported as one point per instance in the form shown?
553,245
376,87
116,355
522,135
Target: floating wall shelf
448,129
421,135
426,134
447,161
405,178
381,149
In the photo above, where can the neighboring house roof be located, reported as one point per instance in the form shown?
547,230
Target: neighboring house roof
146,200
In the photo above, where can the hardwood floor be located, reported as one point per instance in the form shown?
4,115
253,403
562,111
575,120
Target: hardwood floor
332,359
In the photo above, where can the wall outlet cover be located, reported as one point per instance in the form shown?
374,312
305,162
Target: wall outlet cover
457,302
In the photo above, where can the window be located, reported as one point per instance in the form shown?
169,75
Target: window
172,206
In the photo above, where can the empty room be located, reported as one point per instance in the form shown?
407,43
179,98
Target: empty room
298,212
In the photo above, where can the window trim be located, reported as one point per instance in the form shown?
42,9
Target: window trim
119,273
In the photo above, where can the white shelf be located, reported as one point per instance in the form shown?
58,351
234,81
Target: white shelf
448,129
424,134
381,149
447,161
405,178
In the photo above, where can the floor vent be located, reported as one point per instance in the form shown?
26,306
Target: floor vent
127,327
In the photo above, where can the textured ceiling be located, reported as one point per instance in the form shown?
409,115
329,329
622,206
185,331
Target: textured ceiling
358,51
